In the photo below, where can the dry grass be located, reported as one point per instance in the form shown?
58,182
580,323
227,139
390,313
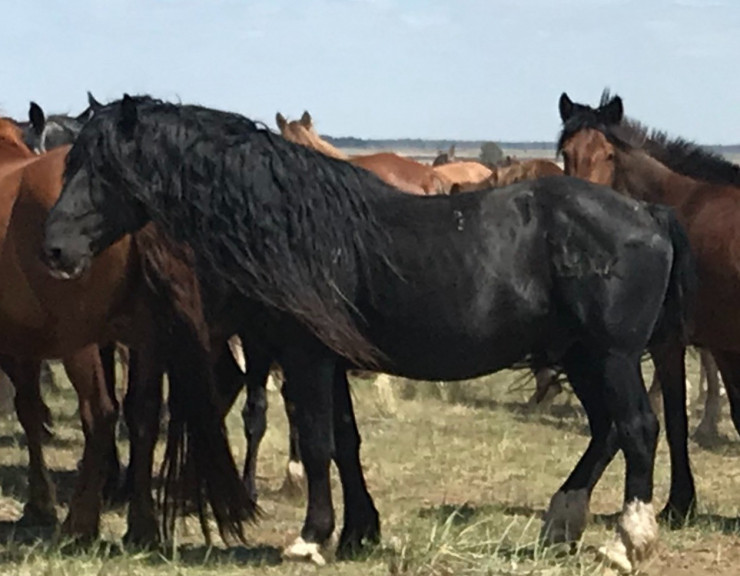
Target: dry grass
460,475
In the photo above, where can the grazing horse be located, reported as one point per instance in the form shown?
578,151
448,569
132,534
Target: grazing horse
445,157
337,269
403,173
599,144
55,317
460,172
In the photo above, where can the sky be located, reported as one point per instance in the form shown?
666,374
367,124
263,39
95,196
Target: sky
457,69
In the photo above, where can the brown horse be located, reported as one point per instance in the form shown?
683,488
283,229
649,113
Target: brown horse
464,173
38,320
704,190
513,171
403,173
46,317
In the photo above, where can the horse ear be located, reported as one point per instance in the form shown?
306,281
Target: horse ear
93,103
37,118
612,112
306,120
565,105
128,115
451,152
280,121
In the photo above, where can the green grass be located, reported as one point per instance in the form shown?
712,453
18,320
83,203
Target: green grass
460,474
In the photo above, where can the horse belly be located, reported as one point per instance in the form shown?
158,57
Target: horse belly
461,344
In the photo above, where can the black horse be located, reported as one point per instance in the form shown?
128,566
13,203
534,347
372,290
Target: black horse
331,268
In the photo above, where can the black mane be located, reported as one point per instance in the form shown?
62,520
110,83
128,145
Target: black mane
680,155
271,213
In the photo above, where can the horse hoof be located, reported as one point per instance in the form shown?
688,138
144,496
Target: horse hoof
676,516
614,555
294,485
566,517
353,540
34,517
302,551
638,533
81,533
145,539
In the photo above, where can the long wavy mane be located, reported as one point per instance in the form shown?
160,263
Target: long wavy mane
678,154
282,224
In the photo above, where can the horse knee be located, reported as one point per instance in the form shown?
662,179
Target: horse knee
254,416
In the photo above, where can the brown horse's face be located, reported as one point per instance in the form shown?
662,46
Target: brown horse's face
589,155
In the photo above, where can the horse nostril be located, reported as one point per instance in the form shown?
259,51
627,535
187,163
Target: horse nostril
53,253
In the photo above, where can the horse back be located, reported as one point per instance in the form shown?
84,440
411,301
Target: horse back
403,173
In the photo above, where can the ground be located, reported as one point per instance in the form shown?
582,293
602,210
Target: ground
460,474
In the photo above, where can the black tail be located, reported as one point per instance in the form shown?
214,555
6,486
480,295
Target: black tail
678,305
197,446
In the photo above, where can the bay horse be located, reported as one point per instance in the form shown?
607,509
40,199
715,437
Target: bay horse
53,317
337,269
403,173
603,146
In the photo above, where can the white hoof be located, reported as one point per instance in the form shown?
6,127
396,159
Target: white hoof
296,472
302,551
566,517
638,529
294,484
614,555
271,385
638,534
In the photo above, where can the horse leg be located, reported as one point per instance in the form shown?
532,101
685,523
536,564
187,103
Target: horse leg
142,409
567,514
708,429
295,476
637,430
654,393
98,416
547,388
669,359
254,414
361,522
112,492
32,413
311,385
729,367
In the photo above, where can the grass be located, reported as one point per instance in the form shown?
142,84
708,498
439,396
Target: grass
460,474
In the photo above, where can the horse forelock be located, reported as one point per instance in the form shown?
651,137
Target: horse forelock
276,221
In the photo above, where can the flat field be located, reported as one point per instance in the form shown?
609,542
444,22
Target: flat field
461,474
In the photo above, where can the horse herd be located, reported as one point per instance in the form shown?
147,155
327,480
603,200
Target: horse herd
171,228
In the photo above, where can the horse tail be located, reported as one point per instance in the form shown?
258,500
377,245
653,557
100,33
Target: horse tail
680,294
198,462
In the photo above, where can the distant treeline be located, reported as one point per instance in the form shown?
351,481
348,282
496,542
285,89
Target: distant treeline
434,145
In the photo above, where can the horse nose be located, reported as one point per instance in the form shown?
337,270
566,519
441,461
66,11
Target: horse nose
52,254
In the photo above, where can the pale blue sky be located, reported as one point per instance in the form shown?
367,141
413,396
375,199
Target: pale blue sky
465,69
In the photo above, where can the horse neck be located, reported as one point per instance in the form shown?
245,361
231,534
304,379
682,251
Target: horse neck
324,147
11,153
643,177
